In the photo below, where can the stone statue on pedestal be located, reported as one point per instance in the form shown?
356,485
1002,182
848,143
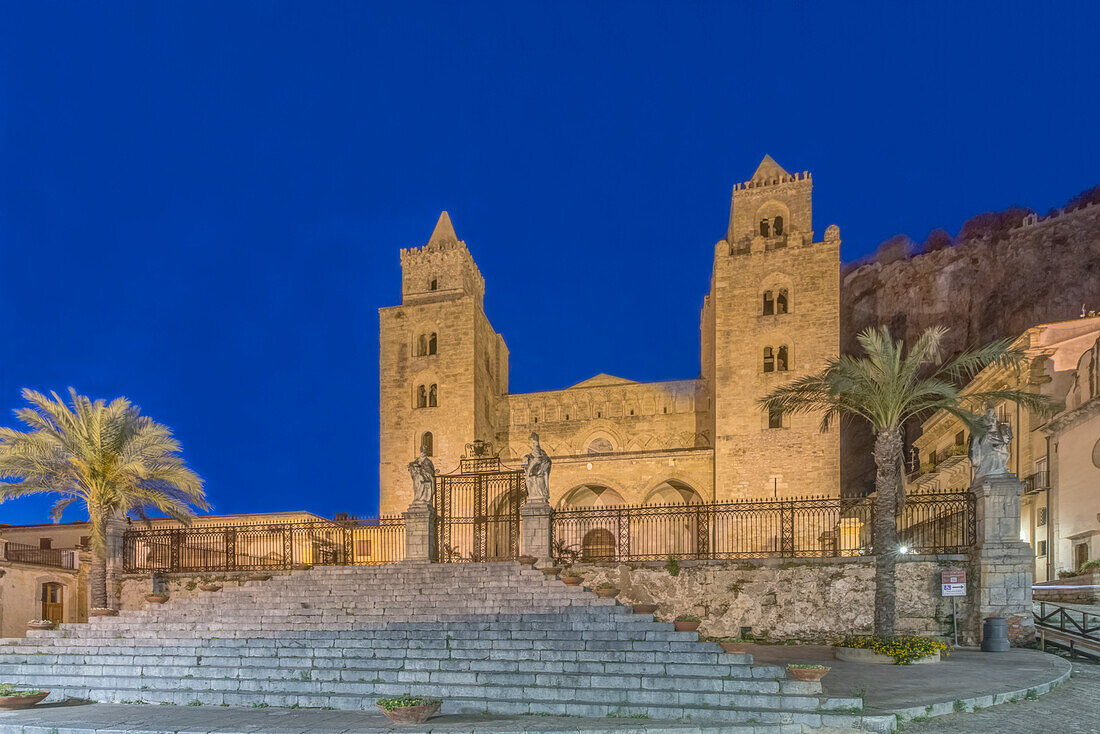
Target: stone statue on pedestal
990,446
536,468
422,471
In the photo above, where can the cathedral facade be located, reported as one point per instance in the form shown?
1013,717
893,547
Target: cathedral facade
772,315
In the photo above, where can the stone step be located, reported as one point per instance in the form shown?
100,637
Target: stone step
534,700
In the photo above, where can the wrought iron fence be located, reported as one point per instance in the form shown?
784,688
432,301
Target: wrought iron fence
265,546
789,528
23,553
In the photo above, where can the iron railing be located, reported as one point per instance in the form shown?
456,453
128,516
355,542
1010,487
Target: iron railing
24,553
1037,481
278,545
788,528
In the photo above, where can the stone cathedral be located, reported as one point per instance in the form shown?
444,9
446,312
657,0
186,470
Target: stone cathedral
772,314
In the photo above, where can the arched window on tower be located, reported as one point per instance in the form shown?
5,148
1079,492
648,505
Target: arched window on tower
765,228
769,303
433,399
431,344
422,397
433,285
775,418
769,360
778,225
421,345
781,301
781,359
426,442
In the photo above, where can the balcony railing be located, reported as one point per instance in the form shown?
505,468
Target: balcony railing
23,553
1038,481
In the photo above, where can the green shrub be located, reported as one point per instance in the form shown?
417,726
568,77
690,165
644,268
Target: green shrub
6,690
406,700
672,566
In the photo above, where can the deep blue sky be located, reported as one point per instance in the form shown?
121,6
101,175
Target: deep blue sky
201,204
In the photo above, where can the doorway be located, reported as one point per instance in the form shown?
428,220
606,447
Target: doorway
53,602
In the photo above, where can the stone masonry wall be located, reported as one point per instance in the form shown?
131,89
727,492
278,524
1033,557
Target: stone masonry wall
807,600
179,585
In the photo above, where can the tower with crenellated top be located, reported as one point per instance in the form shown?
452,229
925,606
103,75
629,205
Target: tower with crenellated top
772,315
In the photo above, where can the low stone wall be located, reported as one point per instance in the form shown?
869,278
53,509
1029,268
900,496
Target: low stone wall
803,600
1087,590
179,585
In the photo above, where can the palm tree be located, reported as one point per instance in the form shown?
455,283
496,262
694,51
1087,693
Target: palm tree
106,456
887,386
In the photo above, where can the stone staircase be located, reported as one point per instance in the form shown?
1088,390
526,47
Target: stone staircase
488,638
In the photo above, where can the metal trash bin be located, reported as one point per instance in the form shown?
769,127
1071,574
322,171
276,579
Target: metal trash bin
995,635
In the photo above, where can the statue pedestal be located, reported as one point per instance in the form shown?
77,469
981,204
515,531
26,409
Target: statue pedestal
1002,564
535,531
419,533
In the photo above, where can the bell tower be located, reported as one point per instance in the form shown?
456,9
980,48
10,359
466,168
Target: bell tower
772,315
442,367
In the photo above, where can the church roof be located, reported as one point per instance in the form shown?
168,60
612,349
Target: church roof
444,231
602,380
768,170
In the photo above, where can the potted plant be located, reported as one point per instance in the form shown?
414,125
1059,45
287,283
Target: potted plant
687,623
40,624
897,650
258,576
571,578
735,645
807,673
210,586
644,608
607,590
11,698
551,571
526,560
408,709
156,597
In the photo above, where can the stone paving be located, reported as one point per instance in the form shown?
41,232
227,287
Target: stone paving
1072,708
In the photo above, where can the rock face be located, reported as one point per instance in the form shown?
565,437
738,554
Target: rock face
982,289
991,286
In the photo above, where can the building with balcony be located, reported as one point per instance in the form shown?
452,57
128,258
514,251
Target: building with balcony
1057,457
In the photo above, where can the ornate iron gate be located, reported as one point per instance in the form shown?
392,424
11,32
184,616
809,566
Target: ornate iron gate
478,508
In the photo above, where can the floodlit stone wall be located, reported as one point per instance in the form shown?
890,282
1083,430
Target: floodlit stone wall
806,600
135,586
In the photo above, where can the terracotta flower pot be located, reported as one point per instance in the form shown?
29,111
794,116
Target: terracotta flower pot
527,560
259,577
102,612
40,625
809,675
22,702
156,598
210,587
686,626
551,571
644,608
411,714
736,648
571,580
607,593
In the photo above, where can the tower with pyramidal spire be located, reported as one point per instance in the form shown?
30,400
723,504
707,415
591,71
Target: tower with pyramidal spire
442,367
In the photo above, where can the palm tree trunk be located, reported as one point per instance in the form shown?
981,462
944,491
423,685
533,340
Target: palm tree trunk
97,581
884,532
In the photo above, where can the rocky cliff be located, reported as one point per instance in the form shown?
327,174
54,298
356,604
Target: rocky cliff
996,282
